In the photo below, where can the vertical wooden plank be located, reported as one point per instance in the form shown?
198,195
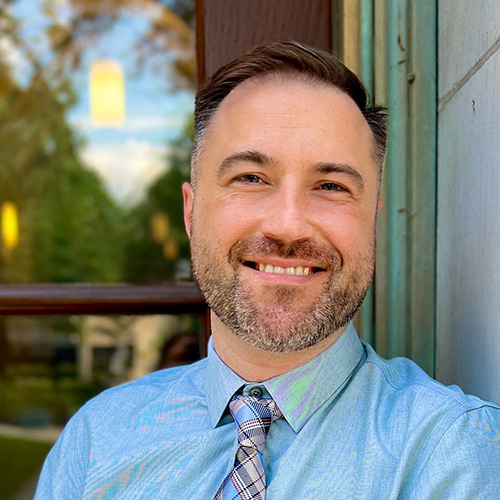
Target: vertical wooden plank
199,8
366,316
398,179
380,52
380,96
393,271
367,44
228,28
352,35
423,110
338,28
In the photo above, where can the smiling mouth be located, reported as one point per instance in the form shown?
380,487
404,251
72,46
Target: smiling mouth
291,271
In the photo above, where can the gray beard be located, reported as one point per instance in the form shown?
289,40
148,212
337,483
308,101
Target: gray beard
281,325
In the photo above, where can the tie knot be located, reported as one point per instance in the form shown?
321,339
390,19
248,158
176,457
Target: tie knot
253,416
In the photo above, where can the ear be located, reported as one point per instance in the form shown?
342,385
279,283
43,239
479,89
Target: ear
380,204
187,194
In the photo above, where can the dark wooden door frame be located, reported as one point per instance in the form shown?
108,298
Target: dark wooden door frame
42,300
227,28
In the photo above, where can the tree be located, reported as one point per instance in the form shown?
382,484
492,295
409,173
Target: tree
146,257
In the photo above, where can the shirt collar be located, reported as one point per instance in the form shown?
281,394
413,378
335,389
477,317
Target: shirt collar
298,393
220,384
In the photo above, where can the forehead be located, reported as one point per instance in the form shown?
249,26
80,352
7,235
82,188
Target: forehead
294,116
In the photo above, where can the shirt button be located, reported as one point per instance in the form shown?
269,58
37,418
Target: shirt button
256,392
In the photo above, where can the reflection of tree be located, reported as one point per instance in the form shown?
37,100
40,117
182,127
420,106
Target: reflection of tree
169,33
70,228
77,234
145,258
69,224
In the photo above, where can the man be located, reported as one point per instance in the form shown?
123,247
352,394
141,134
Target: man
281,215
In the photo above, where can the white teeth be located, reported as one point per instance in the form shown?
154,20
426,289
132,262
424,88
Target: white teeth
292,271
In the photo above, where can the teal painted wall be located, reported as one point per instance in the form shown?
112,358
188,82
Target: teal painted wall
398,61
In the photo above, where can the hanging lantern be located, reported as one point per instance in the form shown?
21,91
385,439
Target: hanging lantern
107,94
10,225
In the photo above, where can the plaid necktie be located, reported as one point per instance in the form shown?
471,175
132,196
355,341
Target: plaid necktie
253,417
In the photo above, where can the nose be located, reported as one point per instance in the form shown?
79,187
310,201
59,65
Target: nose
286,217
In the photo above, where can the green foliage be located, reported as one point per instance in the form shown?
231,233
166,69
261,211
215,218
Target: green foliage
75,227
23,398
20,461
70,229
145,260
69,226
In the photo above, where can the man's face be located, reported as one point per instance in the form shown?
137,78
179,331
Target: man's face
282,224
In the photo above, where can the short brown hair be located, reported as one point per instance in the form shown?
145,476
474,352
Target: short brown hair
281,59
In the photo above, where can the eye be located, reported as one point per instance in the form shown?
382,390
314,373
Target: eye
332,186
249,179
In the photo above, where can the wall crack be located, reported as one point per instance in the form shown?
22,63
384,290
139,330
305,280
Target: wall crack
472,71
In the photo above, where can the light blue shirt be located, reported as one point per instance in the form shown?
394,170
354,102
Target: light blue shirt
355,427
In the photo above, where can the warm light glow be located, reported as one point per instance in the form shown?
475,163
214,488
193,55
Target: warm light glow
159,227
107,94
10,225
171,249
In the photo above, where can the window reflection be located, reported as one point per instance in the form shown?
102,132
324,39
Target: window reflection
95,139
50,366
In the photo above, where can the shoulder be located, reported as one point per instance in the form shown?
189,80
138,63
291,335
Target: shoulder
122,422
152,392
417,417
404,380
138,411
449,440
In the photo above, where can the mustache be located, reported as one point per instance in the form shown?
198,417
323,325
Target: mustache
251,247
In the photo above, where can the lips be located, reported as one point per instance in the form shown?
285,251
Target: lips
272,257
290,270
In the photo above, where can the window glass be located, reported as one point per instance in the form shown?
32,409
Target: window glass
50,366
95,135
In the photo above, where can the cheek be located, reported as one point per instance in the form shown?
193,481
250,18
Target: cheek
351,234
222,222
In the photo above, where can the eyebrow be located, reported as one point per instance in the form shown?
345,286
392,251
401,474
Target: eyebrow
255,157
259,158
341,168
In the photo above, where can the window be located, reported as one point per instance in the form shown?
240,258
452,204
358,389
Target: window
96,102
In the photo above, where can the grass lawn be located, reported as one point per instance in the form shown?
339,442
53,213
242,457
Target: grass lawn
20,460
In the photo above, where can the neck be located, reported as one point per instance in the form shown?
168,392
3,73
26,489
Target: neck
256,365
